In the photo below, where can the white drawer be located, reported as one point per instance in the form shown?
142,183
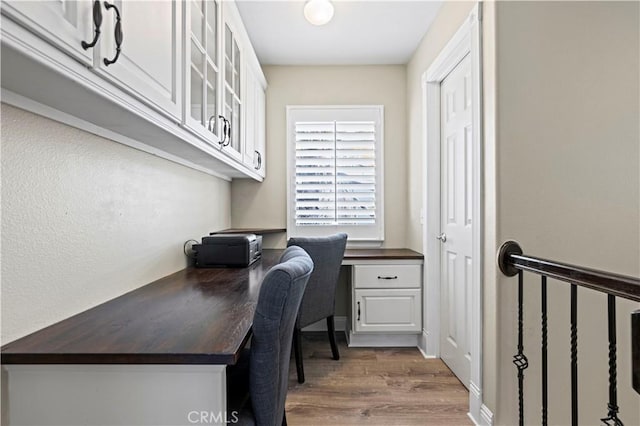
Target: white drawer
387,276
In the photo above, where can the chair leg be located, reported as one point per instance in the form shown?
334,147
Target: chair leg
332,338
297,349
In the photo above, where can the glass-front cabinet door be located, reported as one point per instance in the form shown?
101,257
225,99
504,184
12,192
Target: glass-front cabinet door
202,78
232,108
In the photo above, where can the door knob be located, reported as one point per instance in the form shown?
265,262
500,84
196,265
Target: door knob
442,237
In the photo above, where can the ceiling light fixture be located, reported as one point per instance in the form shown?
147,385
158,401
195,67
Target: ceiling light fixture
318,12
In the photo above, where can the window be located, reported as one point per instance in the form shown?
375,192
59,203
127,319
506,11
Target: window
334,158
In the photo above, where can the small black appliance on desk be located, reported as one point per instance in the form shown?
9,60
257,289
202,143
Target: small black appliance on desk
235,250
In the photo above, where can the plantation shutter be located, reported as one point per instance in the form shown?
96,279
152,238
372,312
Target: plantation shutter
335,173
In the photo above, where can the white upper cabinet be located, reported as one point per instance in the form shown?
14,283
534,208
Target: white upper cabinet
64,23
222,82
169,76
148,63
202,77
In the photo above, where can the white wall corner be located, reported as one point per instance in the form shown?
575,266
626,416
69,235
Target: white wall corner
476,13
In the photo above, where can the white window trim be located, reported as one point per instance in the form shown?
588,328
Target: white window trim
374,241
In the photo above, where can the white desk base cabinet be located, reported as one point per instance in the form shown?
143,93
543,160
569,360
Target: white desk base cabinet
386,303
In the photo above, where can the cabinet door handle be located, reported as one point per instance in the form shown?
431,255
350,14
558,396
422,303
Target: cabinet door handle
97,22
358,311
259,166
395,277
117,34
224,130
229,131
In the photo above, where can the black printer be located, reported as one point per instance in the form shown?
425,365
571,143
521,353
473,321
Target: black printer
238,250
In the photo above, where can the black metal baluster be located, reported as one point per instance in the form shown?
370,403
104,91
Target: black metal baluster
612,414
574,355
544,351
635,350
520,360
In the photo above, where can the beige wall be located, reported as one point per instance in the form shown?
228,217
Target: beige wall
561,157
85,219
264,205
568,188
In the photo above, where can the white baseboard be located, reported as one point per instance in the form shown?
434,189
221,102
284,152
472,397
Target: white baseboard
422,346
475,403
339,322
479,413
426,355
486,415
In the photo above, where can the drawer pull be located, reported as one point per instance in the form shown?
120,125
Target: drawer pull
395,277
358,311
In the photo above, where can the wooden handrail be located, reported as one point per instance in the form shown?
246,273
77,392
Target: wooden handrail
512,262
511,259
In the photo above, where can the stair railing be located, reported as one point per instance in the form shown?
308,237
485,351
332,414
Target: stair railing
512,262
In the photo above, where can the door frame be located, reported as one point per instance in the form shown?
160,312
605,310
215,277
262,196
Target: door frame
466,41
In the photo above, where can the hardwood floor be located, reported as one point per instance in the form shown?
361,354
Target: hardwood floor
373,386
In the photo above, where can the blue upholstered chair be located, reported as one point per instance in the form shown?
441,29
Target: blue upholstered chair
319,298
257,384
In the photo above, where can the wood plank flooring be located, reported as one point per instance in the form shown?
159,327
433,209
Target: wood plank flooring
373,386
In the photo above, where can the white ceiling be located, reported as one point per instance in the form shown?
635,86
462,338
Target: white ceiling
361,31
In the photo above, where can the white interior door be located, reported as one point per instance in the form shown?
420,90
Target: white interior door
456,201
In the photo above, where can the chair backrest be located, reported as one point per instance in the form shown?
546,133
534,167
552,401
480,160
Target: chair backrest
319,297
278,302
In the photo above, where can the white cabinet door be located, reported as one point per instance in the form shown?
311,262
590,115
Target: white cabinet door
63,23
254,139
150,62
233,70
249,151
387,310
203,72
261,130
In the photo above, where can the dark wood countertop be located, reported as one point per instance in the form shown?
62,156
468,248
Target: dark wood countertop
381,254
257,231
195,316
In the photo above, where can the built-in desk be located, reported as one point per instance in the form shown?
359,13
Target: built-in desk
195,316
153,356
